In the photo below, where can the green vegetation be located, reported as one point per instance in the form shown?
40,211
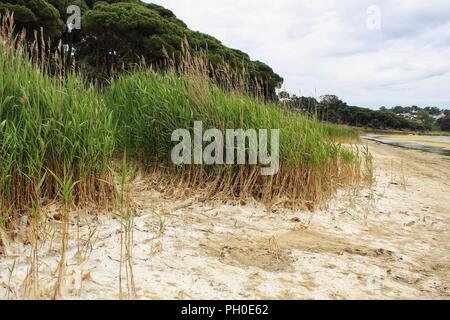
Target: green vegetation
115,35
55,128
331,108
150,106
35,14
444,123
431,118
50,127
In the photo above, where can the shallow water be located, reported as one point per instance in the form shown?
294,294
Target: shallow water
423,143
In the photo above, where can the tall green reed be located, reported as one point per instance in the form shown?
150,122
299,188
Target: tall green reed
49,123
147,107
60,124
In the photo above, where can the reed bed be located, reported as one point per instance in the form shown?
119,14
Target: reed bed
148,106
57,128
51,128
342,133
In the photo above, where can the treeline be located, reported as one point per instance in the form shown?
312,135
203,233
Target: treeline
431,116
115,35
331,108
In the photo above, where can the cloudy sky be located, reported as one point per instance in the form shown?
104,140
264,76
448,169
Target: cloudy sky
368,52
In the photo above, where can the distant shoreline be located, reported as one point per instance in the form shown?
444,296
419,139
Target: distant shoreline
434,144
406,132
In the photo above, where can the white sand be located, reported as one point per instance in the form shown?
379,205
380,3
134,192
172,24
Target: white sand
396,246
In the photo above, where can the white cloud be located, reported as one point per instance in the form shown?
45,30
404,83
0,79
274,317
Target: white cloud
324,46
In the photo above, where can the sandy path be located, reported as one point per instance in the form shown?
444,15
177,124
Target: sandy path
395,244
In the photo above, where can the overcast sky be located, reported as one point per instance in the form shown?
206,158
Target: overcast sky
338,47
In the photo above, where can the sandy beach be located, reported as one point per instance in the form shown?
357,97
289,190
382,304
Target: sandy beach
391,242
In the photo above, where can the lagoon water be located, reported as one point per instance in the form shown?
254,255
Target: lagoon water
435,144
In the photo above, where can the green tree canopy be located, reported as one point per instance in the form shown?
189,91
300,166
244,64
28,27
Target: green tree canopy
34,15
444,122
